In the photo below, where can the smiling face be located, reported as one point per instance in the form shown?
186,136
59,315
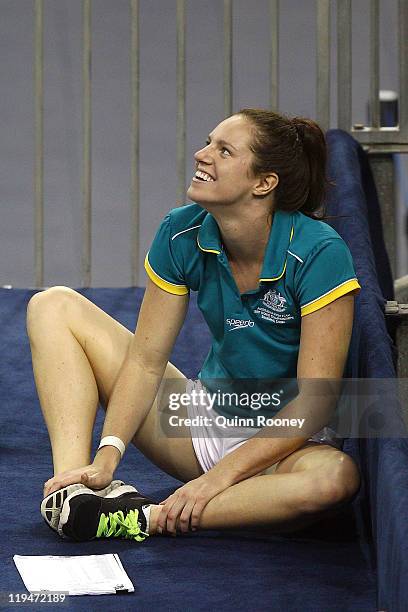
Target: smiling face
224,174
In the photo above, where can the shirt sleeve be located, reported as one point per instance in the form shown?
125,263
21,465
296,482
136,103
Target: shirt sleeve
326,274
161,265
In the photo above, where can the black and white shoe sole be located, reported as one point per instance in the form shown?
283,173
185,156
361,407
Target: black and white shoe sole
52,504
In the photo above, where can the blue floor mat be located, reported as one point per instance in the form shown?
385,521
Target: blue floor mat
319,570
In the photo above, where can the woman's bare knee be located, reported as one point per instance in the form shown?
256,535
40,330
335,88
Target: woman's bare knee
333,484
53,313
43,303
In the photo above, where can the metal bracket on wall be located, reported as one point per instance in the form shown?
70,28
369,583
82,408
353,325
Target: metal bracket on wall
395,309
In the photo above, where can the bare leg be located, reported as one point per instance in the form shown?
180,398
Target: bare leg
65,383
306,485
77,351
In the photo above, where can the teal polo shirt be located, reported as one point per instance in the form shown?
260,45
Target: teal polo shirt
255,335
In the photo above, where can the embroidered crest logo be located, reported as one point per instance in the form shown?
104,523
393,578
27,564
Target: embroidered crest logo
274,308
274,301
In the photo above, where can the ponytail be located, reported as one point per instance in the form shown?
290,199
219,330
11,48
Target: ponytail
295,148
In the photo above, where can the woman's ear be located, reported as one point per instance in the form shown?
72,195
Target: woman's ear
266,184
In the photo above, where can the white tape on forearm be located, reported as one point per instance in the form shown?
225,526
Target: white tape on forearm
113,441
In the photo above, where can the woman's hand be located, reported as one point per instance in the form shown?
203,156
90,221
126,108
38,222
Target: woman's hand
183,508
92,476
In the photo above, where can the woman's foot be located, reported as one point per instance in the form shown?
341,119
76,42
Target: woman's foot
122,513
52,504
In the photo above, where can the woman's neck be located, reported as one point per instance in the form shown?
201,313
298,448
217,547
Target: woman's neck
245,237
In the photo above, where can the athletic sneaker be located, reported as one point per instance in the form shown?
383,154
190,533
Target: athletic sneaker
52,504
120,514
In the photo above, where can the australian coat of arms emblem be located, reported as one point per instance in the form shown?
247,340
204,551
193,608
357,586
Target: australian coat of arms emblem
275,301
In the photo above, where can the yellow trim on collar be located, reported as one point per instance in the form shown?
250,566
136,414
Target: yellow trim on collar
277,277
163,284
207,250
351,285
284,267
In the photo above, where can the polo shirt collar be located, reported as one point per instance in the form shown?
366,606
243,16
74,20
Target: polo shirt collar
281,234
274,265
209,237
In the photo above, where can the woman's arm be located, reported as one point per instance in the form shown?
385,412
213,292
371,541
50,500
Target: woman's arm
160,319
324,343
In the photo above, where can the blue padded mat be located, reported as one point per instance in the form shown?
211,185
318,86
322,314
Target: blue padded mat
383,498
316,570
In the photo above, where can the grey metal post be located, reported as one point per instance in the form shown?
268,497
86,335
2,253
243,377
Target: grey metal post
39,143
135,119
375,64
227,58
274,57
382,166
403,69
323,64
344,50
86,143
181,102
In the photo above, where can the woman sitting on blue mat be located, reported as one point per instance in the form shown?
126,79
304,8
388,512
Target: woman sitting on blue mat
276,286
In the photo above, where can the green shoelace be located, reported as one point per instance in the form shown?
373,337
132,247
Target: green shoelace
117,525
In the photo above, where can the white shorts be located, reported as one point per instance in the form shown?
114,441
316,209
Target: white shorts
212,441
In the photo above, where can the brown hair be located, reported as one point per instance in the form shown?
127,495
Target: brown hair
294,148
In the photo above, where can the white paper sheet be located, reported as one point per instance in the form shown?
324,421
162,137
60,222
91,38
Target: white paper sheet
77,575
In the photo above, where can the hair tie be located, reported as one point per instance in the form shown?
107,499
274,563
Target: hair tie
298,137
